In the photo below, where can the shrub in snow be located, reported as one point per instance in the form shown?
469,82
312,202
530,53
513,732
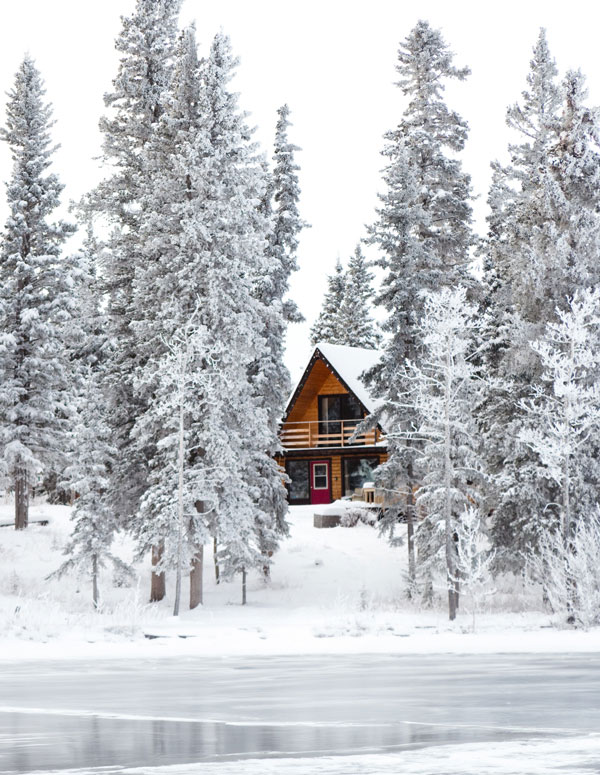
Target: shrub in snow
570,575
355,514
473,560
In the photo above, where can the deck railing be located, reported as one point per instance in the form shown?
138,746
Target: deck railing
326,433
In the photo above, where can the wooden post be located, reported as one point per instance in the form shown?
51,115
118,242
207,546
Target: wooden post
243,586
157,585
21,499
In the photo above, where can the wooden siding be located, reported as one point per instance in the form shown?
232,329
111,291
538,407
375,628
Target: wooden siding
320,381
336,477
336,466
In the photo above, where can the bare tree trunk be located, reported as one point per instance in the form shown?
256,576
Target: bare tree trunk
21,499
449,533
216,560
95,595
196,592
196,573
157,586
410,533
243,586
567,528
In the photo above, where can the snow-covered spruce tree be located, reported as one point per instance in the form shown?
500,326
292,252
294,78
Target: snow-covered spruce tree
88,475
563,416
438,392
146,44
282,244
423,234
544,232
204,241
355,321
35,298
172,509
326,328
268,375
165,285
250,513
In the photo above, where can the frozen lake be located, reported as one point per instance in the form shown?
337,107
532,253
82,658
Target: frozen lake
345,714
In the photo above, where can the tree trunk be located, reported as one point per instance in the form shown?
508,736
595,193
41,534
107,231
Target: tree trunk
410,533
216,560
157,586
95,596
243,586
197,571
196,592
449,533
180,483
21,499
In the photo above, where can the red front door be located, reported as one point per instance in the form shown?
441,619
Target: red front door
319,481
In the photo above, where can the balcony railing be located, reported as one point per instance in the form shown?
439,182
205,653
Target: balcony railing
326,433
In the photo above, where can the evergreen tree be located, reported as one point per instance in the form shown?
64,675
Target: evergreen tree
327,326
287,224
204,243
562,417
89,476
146,44
355,321
35,298
269,376
169,513
423,233
543,233
438,391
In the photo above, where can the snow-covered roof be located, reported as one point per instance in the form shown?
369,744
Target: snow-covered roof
348,363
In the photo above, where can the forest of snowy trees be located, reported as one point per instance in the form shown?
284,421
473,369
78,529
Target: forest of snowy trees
144,372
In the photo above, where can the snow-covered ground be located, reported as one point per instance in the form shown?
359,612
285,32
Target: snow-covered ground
336,590
575,756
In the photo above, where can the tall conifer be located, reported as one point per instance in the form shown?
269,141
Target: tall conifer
327,327
35,299
423,233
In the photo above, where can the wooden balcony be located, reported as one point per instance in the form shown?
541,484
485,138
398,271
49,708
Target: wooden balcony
329,433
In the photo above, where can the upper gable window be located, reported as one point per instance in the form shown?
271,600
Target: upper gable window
334,408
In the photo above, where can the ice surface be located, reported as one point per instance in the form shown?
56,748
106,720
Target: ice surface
346,714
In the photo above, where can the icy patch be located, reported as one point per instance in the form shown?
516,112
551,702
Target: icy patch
564,756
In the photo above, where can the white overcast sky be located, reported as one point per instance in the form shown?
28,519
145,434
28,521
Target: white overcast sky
333,62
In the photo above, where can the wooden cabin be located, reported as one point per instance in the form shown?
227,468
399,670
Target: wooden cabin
330,400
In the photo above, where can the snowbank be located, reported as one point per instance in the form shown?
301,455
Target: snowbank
332,591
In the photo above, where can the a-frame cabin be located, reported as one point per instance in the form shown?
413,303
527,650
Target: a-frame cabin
321,417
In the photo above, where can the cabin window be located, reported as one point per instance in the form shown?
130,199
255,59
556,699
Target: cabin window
299,486
357,471
332,409
320,478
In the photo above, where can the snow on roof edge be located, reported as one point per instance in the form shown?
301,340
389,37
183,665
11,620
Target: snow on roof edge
349,363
